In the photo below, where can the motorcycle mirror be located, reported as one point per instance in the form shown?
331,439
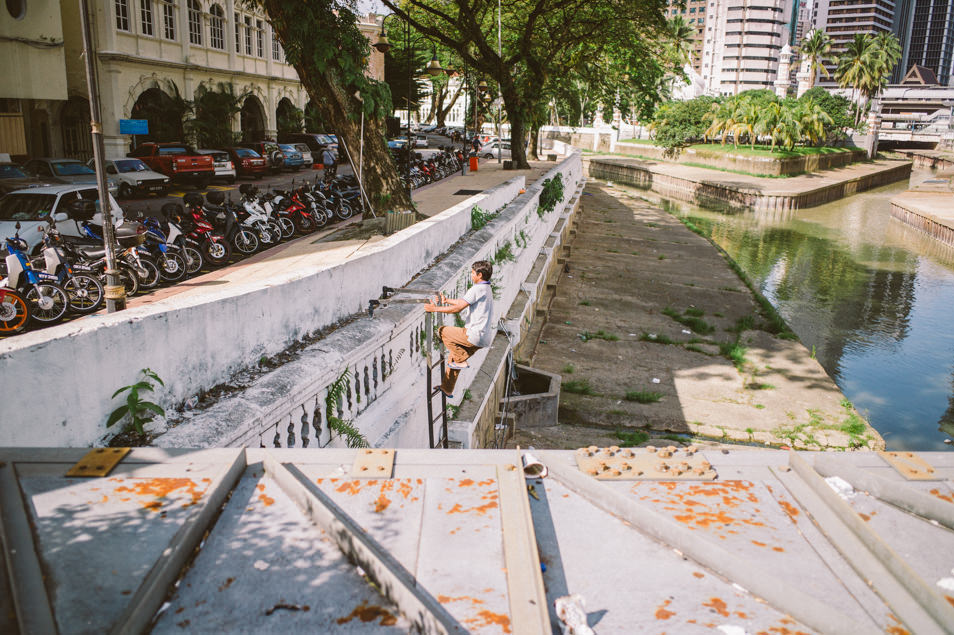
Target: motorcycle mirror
17,225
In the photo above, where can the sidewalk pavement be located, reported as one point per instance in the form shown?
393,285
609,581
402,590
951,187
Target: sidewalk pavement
309,251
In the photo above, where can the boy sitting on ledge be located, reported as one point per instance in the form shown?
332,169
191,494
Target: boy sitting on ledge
462,342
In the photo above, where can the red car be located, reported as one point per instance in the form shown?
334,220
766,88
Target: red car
248,162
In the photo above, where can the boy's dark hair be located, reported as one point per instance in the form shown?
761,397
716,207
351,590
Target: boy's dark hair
484,269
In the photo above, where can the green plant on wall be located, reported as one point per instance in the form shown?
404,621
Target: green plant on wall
503,254
551,194
344,428
138,410
479,218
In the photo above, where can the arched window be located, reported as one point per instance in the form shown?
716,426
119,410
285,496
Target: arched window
216,27
195,23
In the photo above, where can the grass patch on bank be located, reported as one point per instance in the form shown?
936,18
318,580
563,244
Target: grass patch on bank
631,439
586,336
656,339
579,387
691,317
643,396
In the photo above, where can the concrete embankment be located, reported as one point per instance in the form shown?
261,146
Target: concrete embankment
652,330
929,207
705,187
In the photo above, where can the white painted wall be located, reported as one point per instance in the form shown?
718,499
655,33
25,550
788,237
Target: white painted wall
55,384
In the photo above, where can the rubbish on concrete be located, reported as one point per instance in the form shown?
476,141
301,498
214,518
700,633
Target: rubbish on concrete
572,612
533,467
261,565
686,332
655,380
192,402
842,487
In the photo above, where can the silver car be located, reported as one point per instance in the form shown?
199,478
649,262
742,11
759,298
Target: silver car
32,207
66,171
224,169
305,154
135,178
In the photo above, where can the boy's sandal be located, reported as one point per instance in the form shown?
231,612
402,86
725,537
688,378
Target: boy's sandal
457,366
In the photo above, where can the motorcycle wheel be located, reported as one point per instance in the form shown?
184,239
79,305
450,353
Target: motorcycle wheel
129,279
48,302
85,293
288,227
344,211
151,279
193,260
268,236
319,217
303,224
218,253
277,230
172,267
14,312
245,241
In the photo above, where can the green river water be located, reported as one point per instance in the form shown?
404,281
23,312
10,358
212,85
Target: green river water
873,297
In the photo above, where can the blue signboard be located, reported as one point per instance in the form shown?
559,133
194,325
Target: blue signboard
133,126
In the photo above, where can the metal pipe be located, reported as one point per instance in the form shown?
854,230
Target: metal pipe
115,290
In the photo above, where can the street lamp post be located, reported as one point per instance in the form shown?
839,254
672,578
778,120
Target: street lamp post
433,68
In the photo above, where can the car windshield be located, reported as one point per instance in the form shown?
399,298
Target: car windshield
10,171
220,156
288,148
245,152
25,206
69,168
174,150
130,165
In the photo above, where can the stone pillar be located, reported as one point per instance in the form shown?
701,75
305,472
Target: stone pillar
782,80
874,127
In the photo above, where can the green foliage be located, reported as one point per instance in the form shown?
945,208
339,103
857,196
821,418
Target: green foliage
345,428
138,410
734,352
579,387
643,396
631,439
695,323
584,303
503,254
479,218
213,111
551,194
679,123
837,107
568,369
586,336
655,339
289,118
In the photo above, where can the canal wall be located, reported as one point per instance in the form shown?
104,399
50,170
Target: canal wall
710,188
199,344
929,208
931,160
768,166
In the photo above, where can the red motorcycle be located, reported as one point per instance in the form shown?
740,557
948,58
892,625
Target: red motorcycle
202,231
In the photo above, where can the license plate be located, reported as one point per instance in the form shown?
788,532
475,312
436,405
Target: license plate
155,188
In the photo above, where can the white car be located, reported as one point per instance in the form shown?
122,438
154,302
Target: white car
135,178
224,169
305,154
32,207
420,141
493,150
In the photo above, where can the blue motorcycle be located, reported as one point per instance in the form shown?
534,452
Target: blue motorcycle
47,299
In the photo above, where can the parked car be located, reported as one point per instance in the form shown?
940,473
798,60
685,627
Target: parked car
397,144
178,161
248,162
293,158
33,206
306,154
420,141
66,172
224,168
135,178
12,177
270,151
493,150
316,142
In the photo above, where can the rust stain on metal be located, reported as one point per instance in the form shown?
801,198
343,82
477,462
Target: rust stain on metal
266,500
718,605
943,497
381,503
160,488
228,582
369,613
467,482
487,618
662,613
348,487
950,600
864,517
699,574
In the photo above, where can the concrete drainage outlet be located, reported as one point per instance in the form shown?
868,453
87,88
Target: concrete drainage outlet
536,398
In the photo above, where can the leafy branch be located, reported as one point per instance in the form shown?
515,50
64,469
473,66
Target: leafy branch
345,428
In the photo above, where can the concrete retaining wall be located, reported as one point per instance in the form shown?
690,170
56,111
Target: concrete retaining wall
929,161
195,343
767,166
381,359
715,194
940,231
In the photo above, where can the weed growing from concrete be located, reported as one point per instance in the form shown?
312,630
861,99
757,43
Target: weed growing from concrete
734,352
759,386
579,387
584,303
353,437
759,406
632,439
586,336
568,369
643,396
138,410
479,218
695,349
662,257
656,339
694,322
612,251
617,412
694,312
452,411
467,395
503,254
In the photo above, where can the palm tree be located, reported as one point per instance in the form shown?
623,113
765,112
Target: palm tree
856,66
747,116
813,119
768,119
680,41
885,53
816,48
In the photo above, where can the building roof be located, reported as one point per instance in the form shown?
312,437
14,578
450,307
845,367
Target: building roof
461,540
919,75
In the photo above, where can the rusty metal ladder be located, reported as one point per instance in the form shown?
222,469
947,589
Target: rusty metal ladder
387,298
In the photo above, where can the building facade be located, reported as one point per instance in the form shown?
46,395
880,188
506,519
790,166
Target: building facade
153,55
930,38
694,13
743,43
843,19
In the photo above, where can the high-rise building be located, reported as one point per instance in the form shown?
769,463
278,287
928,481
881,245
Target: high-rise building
843,19
694,13
743,41
928,38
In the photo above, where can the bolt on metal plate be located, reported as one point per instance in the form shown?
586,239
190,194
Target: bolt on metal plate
649,463
910,466
373,464
98,462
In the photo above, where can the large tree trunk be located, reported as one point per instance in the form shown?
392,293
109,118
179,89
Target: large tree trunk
534,143
518,114
338,106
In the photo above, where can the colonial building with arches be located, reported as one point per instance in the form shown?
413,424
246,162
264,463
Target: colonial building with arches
153,56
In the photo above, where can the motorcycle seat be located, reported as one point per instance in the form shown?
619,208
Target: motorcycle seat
91,253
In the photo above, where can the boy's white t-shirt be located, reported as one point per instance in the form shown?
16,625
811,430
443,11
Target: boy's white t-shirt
480,314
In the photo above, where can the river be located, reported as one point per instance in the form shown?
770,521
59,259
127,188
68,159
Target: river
871,296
